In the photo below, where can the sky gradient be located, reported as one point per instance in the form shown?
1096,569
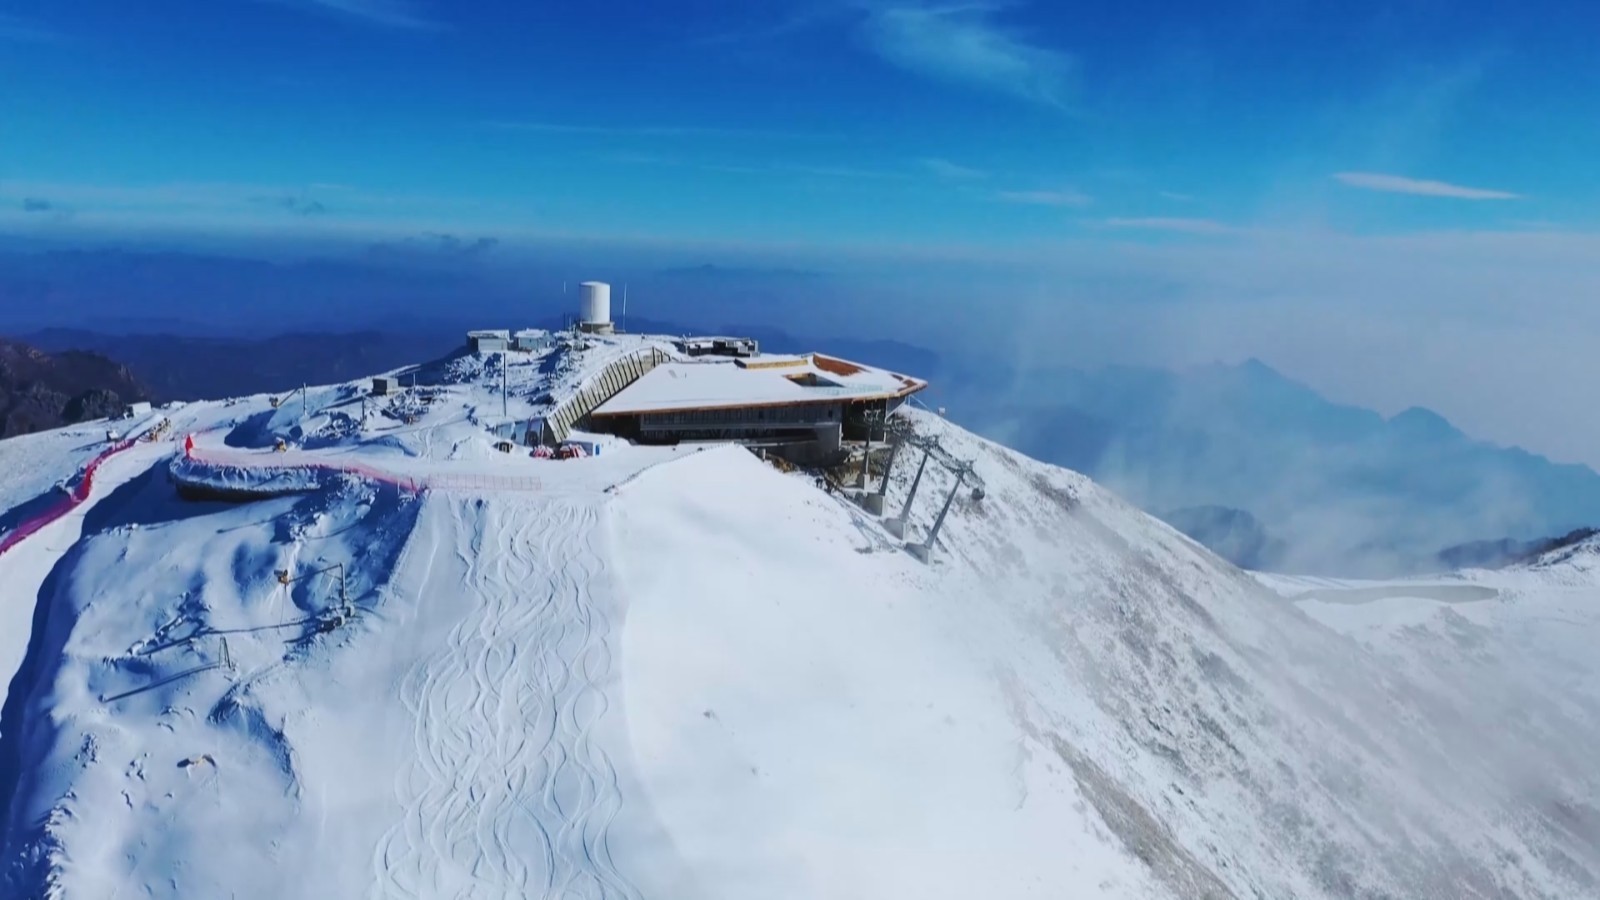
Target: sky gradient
1392,200
892,121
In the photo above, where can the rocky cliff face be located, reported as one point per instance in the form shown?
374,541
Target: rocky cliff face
40,390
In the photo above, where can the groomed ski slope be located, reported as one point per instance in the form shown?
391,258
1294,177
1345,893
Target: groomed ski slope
510,788
688,675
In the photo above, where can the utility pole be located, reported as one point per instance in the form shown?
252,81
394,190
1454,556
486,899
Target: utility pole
505,364
624,307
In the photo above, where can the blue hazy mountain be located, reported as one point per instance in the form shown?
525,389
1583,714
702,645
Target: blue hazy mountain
1331,488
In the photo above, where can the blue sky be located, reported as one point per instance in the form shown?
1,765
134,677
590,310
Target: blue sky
1394,201
873,120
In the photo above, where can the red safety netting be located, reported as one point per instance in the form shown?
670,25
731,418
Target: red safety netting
71,501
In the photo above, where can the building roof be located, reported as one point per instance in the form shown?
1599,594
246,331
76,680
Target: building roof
756,381
490,333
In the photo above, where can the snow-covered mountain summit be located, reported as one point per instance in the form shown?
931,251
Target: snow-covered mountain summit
681,671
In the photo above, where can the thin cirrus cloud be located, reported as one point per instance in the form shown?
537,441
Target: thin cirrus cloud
1046,198
1398,184
962,44
944,168
1171,224
385,13
654,131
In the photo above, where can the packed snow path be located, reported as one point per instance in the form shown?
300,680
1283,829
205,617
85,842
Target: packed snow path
510,791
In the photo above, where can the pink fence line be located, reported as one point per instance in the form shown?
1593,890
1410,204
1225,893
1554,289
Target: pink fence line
65,505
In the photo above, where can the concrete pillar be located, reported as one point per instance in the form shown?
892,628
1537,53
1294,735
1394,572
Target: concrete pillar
888,469
924,550
897,525
866,457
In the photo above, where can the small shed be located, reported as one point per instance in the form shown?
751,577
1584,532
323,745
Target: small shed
134,410
385,384
525,432
531,340
489,340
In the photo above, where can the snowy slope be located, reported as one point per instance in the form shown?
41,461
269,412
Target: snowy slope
683,673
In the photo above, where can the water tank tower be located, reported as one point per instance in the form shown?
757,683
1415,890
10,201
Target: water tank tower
595,315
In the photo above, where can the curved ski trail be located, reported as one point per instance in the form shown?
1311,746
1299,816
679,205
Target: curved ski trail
509,790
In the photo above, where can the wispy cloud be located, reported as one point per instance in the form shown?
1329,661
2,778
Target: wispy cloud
386,13
16,28
820,171
297,204
760,168
655,131
1175,196
962,43
801,19
1173,224
944,168
227,204
1397,184
438,243
1066,197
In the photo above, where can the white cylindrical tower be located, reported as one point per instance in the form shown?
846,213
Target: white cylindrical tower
596,299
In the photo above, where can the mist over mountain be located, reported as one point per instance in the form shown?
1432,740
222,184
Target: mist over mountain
1345,490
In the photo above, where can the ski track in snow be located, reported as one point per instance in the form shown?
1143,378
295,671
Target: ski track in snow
509,792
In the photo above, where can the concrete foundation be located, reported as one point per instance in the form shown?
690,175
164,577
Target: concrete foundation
920,551
896,527
872,503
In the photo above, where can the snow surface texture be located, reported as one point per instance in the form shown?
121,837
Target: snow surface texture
669,673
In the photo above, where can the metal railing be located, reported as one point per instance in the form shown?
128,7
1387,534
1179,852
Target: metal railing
600,387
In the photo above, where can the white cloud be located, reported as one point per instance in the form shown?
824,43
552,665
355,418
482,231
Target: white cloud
1397,184
944,168
962,44
1066,197
1170,223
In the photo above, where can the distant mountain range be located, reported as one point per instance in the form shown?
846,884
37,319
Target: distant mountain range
185,367
1274,475
39,390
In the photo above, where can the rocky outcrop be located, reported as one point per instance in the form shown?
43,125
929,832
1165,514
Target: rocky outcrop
40,390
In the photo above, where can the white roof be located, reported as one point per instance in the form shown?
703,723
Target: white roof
755,381
501,333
